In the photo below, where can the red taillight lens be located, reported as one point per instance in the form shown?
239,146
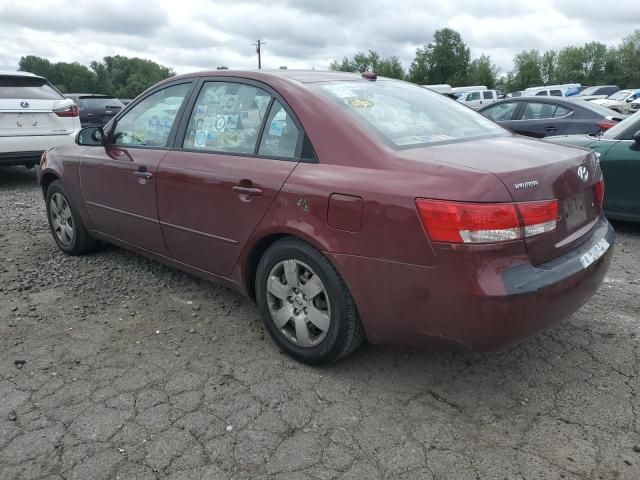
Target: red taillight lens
599,192
456,222
606,124
71,111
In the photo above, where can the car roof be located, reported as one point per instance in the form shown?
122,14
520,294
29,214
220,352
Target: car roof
16,73
84,95
302,76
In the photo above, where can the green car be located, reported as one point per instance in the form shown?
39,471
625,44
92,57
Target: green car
619,152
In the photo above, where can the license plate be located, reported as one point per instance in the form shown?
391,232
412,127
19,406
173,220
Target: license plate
594,253
575,211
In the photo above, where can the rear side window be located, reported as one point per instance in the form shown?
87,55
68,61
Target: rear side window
488,95
555,93
561,111
280,137
227,118
27,88
473,96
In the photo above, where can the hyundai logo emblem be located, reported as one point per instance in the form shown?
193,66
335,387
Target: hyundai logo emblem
583,173
24,104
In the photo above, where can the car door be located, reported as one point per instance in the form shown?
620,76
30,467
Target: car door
238,145
540,119
118,179
621,169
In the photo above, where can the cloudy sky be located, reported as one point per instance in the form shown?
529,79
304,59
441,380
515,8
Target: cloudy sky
190,35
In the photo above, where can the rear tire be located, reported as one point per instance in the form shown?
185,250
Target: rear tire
305,305
65,223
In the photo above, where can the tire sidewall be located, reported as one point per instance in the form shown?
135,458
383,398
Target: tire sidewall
331,346
56,187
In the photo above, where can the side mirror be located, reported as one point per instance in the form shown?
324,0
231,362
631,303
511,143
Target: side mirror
636,138
91,136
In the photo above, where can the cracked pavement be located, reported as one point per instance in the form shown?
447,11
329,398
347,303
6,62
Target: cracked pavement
116,367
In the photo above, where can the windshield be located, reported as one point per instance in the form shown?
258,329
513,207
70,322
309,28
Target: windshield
621,95
621,127
407,115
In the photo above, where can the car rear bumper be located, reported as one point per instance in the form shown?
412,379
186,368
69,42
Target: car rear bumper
28,149
475,302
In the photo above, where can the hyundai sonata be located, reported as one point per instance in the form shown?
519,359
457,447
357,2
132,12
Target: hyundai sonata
348,206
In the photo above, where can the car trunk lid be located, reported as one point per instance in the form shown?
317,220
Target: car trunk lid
534,170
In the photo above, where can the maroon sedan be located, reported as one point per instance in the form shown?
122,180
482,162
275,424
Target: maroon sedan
348,206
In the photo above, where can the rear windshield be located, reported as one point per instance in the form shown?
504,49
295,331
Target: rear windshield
622,126
99,102
407,115
596,108
27,87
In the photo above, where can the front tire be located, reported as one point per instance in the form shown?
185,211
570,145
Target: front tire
305,305
65,223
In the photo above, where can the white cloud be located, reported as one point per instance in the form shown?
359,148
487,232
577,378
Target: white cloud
190,35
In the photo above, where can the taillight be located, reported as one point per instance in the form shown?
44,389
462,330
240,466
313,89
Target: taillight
606,124
599,193
70,111
457,222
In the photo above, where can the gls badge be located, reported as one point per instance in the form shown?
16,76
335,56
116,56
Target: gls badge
583,173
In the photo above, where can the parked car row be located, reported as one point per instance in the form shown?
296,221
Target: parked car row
348,206
95,110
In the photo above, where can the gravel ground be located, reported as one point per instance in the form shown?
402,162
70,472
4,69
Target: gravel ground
114,366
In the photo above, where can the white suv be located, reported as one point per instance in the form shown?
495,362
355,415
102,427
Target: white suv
34,116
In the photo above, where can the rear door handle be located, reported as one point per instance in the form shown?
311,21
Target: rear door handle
252,192
551,129
145,175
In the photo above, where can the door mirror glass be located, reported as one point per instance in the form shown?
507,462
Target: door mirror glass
149,122
91,136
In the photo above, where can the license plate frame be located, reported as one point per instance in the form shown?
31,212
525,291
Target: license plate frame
575,210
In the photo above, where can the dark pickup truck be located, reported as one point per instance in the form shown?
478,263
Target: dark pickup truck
96,110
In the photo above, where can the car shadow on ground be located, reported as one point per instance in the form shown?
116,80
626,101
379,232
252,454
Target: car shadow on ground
629,228
15,177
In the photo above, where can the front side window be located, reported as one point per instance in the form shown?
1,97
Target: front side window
502,111
226,118
541,93
149,122
405,115
280,137
473,96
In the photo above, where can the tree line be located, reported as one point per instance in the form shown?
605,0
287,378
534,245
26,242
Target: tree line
118,75
447,59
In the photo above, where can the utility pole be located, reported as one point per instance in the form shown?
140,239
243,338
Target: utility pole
258,45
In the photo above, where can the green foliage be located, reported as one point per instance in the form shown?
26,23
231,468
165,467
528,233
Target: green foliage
527,69
120,76
449,57
483,72
370,62
419,69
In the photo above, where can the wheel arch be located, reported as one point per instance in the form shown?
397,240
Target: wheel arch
46,179
257,250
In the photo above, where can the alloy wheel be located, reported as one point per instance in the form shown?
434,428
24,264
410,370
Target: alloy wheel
298,303
61,219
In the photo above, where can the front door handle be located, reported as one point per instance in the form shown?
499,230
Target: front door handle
145,175
250,191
